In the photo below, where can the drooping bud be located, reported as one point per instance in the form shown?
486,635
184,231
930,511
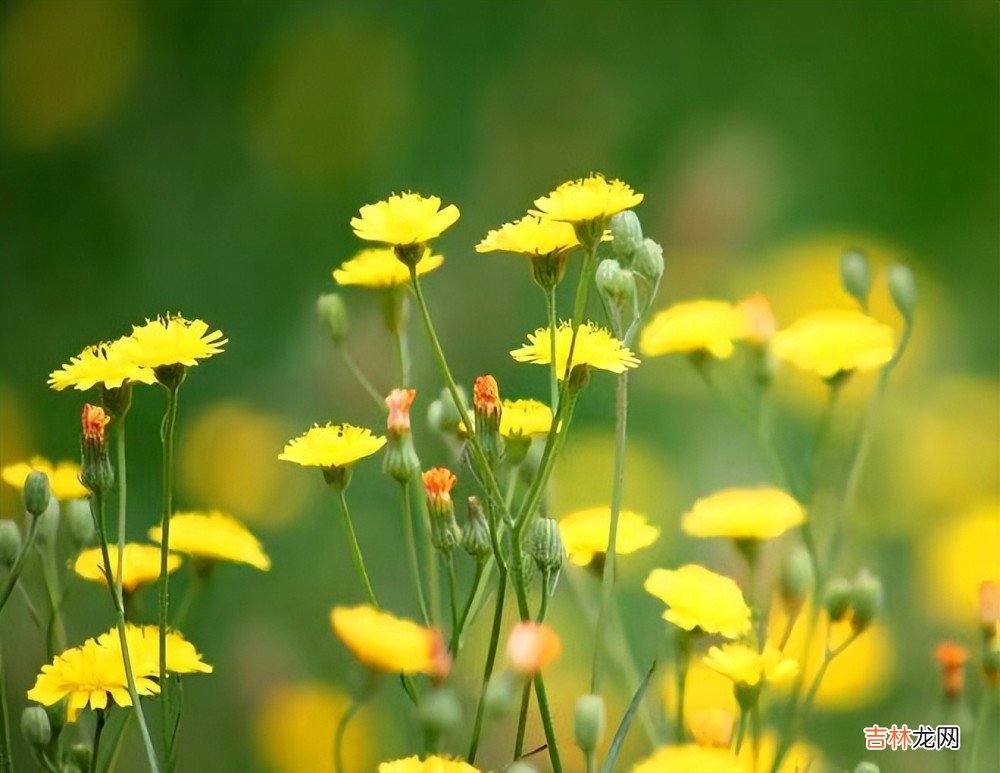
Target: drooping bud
855,275
903,289
648,261
439,711
796,577
589,721
531,647
952,657
866,599
615,284
488,409
476,534
400,461
626,236
332,315
48,523
989,608
438,483
35,727
837,599
80,522
96,473
36,492
543,542
10,542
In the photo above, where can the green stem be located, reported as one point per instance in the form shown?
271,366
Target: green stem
463,619
683,641
430,554
55,634
15,571
167,437
122,498
6,748
755,735
361,378
359,561
338,738
117,744
550,313
491,654
522,719
550,733
979,732
402,354
100,721
449,563
411,552
741,731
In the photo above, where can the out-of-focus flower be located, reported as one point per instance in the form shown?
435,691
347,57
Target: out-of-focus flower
404,219
588,199
705,691
532,647
989,605
744,513
595,347
378,268
172,340
106,364
746,666
333,445
141,565
800,757
398,402
585,533
524,419
213,536
689,758
695,326
760,321
952,657
531,236
835,341
388,643
698,598
711,727
64,477
431,764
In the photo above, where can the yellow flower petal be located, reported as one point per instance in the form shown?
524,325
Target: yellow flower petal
743,513
213,536
585,533
64,477
525,419
385,642
591,198
595,347
432,764
379,268
699,598
172,340
141,565
830,342
745,665
695,326
404,219
109,365
532,237
334,445
689,758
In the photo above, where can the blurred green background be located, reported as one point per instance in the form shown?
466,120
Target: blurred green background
206,157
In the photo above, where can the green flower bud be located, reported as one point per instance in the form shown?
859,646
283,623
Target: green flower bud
867,599
837,599
589,720
855,274
648,260
476,534
36,492
48,523
543,543
903,289
400,461
615,284
439,711
579,377
443,416
796,576
409,254
529,573
626,236
80,522
10,542
333,316
35,727
501,697
866,767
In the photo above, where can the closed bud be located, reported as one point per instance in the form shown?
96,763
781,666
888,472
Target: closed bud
855,275
96,472
35,727
36,492
866,767
48,523
615,284
10,542
903,289
796,577
543,543
438,483
400,461
439,711
626,236
866,599
332,316
488,409
648,260
589,720
837,599
476,534
80,522
409,254
501,697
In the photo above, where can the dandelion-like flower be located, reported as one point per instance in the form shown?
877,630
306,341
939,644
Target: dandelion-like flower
585,533
64,477
744,513
438,483
213,536
532,647
689,758
432,764
107,364
830,342
595,347
333,445
588,199
384,642
525,419
172,340
695,326
532,237
404,219
378,268
141,565
699,598
144,651
748,667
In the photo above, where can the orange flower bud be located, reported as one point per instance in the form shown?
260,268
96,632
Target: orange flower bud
486,396
760,320
952,657
399,402
438,483
531,647
93,421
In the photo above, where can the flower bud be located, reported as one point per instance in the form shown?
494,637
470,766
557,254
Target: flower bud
36,492
615,284
855,275
796,577
96,471
398,402
952,658
400,461
48,523
543,543
80,522
989,607
837,599
589,720
439,711
579,377
444,417
991,665
903,289
10,542
648,260
866,767
476,534
626,236
332,316
488,409
866,599
531,647
35,727
409,254
438,483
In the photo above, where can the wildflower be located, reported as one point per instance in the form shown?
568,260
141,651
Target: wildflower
431,764
831,342
487,411
107,364
401,460
213,536
585,533
398,402
698,598
711,727
595,347
594,198
384,642
141,565
759,319
172,340
332,446
747,667
404,220
96,472
743,514
546,242
952,658
36,493
689,758
438,483
695,327
532,647
64,477
524,419
144,651
378,268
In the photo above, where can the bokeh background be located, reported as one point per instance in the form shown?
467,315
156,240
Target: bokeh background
205,157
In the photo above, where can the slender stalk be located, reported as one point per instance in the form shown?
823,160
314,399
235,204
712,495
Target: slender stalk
433,588
122,498
550,312
402,354
411,552
116,746
979,732
683,661
6,748
491,654
449,564
550,732
741,730
100,721
338,738
359,561
355,370
167,437
463,619
522,719
36,616
55,634
755,735
15,571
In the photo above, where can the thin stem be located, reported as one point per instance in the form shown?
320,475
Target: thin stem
168,432
449,563
359,561
522,719
338,738
6,748
979,731
456,637
116,747
122,498
430,554
361,378
550,313
55,635
100,721
755,735
683,660
411,552
15,571
546,714
402,354
491,654
741,731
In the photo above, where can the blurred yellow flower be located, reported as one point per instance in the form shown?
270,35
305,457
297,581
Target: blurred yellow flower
588,199
404,219
711,727
743,513
595,347
388,643
800,758
695,326
699,598
531,236
432,764
705,691
141,565
107,364
746,666
334,445
689,758
585,533
213,536
379,268
830,342
64,477
172,340
525,419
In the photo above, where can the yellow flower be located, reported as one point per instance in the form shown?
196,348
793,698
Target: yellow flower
531,236
746,666
384,642
800,758
525,419
142,565
107,364
64,477
379,268
585,533
335,445
588,199
743,513
432,764
689,758
698,598
144,651
172,340
595,347
214,536
404,219
695,326
830,342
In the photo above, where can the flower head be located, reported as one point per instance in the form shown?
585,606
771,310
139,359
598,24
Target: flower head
586,200
689,758
698,598
595,347
388,643
64,477
524,419
531,236
830,342
952,657
144,651
404,219
695,326
106,364
334,445
93,421
172,340
431,764
585,533
532,647
747,667
398,402
486,396
743,513
378,268
140,567
213,536
438,483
